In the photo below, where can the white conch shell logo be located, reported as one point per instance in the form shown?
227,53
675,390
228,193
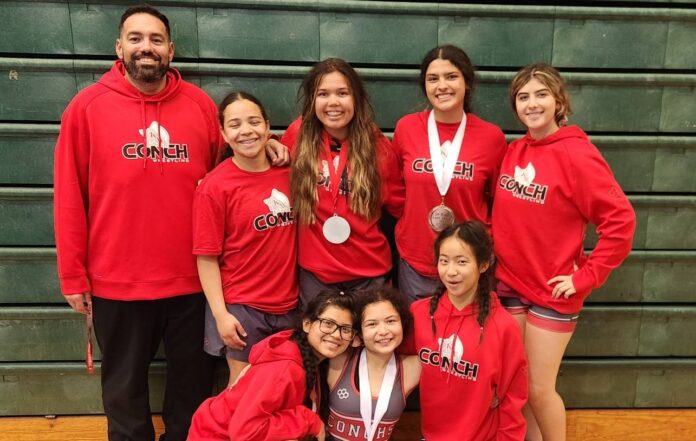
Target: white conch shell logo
525,176
451,348
277,203
153,135
325,166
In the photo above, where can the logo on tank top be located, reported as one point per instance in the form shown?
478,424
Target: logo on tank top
158,146
462,169
279,215
324,178
343,393
522,185
347,428
448,357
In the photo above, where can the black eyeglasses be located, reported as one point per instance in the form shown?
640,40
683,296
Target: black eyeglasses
328,326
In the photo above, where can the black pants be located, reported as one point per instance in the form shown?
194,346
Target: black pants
129,334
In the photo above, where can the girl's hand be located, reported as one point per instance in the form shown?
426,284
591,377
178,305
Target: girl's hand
277,153
564,286
231,331
322,433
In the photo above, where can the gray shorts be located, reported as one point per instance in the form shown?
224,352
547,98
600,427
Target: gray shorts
311,286
415,286
257,324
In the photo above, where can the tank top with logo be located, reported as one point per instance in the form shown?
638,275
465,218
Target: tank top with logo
345,422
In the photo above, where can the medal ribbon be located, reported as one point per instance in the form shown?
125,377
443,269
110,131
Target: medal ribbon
385,392
89,357
335,173
443,170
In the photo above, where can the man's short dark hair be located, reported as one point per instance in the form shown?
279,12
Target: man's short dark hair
144,9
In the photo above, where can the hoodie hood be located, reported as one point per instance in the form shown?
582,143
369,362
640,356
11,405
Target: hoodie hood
115,79
472,309
153,136
563,133
275,348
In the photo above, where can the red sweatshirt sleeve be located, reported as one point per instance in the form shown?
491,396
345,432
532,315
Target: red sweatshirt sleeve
71,200
512,388
262,416
393,189
601,200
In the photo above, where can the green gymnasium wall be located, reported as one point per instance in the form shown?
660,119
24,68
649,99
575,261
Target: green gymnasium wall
632,70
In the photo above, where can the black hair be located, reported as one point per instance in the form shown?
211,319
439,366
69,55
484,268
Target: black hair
238,95
232,97
460,59
144,9
310,362
385,293
474,234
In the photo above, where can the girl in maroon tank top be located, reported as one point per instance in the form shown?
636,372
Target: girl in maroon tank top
368,387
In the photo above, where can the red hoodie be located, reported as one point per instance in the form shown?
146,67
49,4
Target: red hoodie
474,382
366,252
547,193
469,194
266,403
123,217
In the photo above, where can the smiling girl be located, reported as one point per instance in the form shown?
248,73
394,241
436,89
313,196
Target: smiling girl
241,213
369,385
272,401
343,172
469,346
450,160
553,182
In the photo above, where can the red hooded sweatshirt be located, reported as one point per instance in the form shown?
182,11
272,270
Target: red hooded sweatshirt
366,252
474,381
547,193
266,403
124,187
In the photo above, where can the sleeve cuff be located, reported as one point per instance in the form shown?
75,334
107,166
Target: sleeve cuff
74,285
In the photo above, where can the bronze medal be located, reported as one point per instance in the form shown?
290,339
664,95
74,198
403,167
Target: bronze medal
440,218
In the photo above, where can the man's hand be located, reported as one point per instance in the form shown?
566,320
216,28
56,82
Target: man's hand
81,303
231,331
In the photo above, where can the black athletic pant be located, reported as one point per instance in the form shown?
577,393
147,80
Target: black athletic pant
129,333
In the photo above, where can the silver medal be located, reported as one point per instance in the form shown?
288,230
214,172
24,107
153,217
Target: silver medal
336,229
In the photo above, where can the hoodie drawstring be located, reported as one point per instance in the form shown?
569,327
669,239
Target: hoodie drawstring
143,122
160,152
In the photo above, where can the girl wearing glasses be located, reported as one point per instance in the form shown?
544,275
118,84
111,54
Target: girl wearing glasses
279,395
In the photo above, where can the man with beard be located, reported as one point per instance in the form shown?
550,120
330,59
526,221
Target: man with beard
131,150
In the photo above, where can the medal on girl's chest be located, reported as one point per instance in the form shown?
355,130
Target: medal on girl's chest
441,217
444,159
336,229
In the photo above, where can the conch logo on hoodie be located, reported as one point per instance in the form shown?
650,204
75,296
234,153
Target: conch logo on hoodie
324,178
522,185
448,358
462,170
280,213
159,148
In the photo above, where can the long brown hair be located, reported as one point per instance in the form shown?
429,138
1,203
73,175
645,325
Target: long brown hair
363,172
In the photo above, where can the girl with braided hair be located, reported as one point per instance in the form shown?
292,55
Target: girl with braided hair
278,397
474,372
